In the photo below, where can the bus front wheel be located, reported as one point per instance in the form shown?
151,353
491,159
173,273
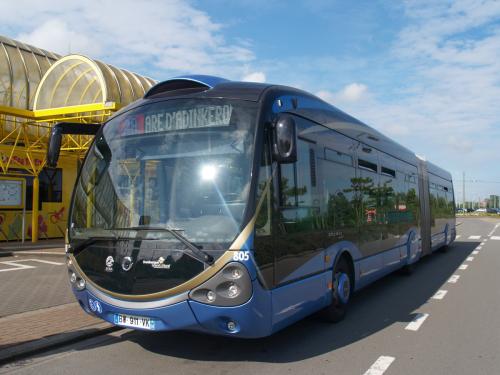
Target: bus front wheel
341,291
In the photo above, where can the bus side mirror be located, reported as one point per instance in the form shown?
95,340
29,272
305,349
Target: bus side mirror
54,146
56,133
284,140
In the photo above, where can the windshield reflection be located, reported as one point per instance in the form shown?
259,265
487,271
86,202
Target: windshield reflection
194,180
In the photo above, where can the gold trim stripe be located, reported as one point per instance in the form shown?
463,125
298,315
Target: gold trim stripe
198,279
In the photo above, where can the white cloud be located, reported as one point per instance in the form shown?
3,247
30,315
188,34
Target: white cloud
449,57
166,36
353,92
457,70
58,37
450,81
254,77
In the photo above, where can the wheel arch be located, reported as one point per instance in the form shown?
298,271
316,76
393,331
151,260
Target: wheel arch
345,254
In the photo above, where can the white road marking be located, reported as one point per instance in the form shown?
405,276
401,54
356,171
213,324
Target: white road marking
479,248
458,236
40,261
493,231
463,267
474,237
485,240
18,266
482,243
440,294
495,238
380,365
415,324
453,279
475,252
24,252
470,259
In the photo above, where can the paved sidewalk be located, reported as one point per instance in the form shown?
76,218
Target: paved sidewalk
37,308
36,330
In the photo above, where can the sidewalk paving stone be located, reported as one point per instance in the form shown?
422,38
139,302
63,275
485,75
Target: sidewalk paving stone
35,330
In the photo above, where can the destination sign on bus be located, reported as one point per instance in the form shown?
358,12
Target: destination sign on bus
176,120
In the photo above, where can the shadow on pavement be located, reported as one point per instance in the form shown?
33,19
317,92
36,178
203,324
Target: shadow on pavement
393,299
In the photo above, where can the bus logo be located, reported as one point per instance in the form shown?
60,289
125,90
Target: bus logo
158,264
109,264
127,263
95,306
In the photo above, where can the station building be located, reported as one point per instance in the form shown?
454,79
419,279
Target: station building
38,89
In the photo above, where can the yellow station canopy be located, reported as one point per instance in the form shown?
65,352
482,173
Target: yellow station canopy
77,80
38,89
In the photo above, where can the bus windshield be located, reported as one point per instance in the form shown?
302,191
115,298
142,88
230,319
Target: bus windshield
183,165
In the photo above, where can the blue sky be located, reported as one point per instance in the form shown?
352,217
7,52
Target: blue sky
426,73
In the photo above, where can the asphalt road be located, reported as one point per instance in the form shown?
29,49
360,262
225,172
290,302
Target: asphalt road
418,324
30,282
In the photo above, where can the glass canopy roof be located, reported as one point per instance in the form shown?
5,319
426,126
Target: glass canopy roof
21,69
35,79
79,80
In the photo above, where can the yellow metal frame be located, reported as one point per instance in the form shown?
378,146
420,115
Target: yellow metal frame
16,112
24,133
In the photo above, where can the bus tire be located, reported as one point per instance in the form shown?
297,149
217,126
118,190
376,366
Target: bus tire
342,291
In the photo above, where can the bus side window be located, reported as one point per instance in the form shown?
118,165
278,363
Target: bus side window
298,190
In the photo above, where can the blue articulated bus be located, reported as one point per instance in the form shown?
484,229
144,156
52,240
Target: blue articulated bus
237,208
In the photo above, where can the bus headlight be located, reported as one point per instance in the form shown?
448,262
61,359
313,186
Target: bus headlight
80,284
233,291
76,281
211,296
229,287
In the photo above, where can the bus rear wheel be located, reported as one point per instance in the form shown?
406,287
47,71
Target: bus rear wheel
341,291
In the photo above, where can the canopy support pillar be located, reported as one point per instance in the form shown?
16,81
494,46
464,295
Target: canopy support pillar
34,216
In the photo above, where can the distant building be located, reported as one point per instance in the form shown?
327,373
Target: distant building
472,205
494,201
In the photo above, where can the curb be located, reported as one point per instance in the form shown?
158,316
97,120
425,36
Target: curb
31,247
19,351
31,252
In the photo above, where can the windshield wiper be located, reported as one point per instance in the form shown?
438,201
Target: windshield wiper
195,249
75,249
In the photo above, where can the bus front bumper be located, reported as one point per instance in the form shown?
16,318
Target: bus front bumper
249,320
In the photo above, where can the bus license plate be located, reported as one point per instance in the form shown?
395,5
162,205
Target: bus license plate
134,321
